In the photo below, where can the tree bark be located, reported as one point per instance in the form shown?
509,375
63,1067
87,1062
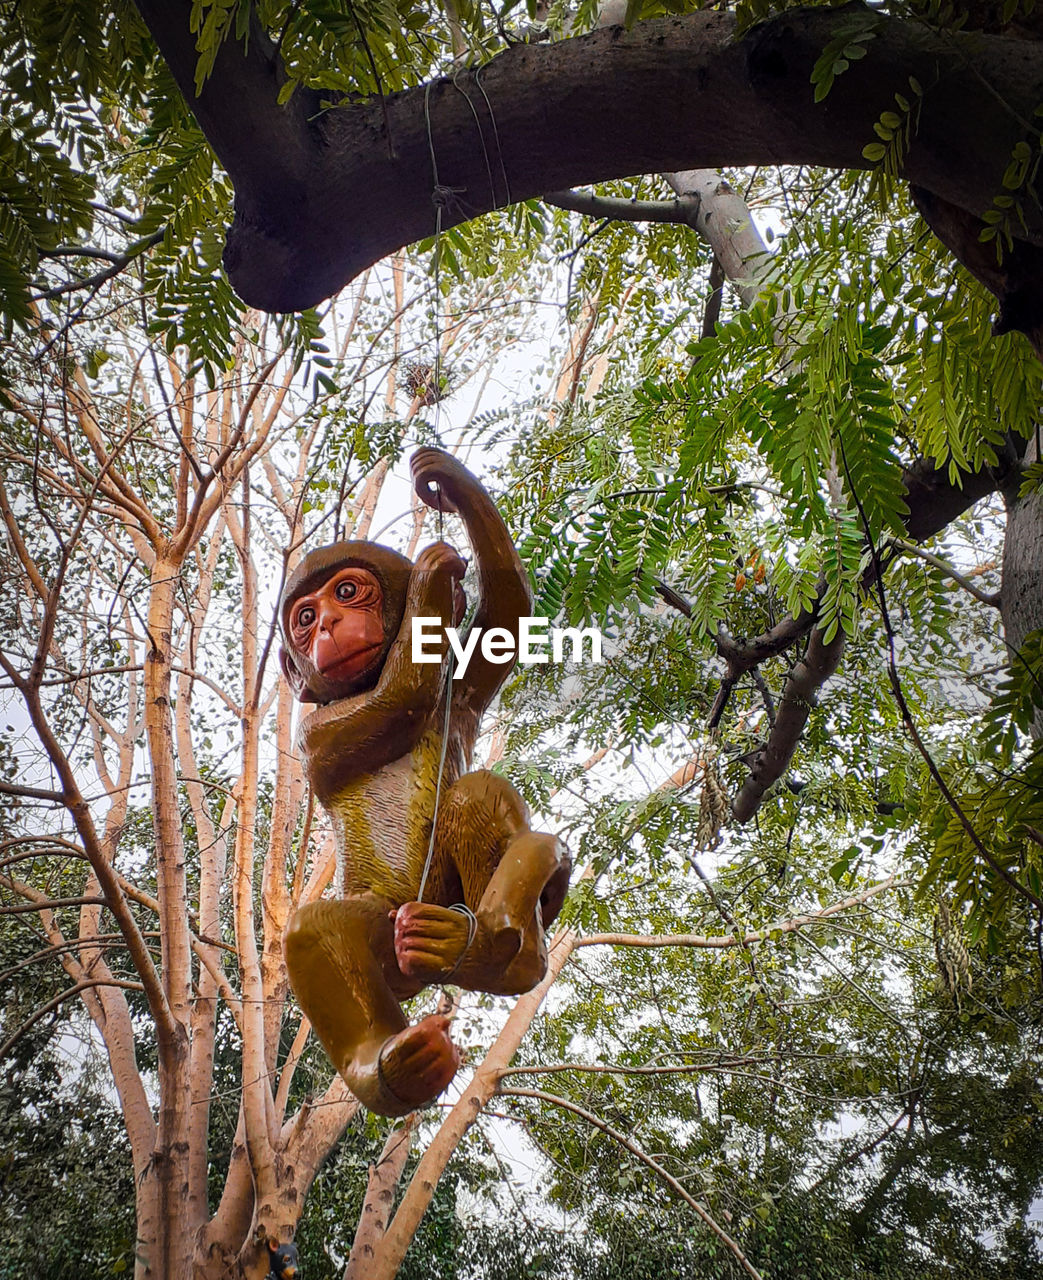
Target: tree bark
723,219
164,1249
1021,597
402,1228
323,193
380,1196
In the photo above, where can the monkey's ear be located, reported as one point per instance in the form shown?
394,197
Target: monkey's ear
294,678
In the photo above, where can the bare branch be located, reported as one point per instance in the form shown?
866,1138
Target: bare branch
986,597
631,1146
51,904
482,1088
118,261
58,1000
31,793
736,939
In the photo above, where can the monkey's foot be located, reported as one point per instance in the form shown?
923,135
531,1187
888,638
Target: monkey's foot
413,1068
512,961
500,939
430,941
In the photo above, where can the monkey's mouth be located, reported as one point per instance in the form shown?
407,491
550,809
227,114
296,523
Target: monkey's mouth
352,664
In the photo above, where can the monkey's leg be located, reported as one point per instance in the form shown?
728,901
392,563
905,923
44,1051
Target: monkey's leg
511,949
505,871
341,962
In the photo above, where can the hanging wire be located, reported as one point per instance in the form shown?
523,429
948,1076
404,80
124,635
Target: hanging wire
440,197
441,771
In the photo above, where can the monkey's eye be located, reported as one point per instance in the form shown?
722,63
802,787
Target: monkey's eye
346,590
305,616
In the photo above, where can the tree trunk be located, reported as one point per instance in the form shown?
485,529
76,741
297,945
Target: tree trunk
1022,593
165,1246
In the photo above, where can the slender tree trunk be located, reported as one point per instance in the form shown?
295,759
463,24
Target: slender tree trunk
164,1246
391,1251
1022,592
380,1195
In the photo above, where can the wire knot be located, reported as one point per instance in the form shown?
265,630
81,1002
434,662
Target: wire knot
444,197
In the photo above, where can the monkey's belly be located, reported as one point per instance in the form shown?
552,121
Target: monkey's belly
382,824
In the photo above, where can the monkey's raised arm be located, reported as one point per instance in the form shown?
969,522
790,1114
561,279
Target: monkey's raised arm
444,483
359,734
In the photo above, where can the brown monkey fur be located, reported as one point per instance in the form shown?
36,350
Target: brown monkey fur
371,749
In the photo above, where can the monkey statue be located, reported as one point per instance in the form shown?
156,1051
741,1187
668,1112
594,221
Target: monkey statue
468,906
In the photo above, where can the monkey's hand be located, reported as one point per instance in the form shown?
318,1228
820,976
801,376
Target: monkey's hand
441,481
414,1067
440,557
430,941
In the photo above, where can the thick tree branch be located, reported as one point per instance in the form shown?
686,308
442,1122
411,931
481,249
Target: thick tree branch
620,210
319,198
933,501
799,696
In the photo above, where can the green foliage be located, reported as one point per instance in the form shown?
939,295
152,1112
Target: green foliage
1006,217
1001,794
188,201
1017,700
713,487
847,45
66,1181
895,129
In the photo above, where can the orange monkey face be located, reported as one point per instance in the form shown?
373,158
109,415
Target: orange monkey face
339,627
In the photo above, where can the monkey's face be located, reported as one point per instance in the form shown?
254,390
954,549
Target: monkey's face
336,630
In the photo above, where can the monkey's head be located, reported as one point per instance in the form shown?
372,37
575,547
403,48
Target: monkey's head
339,614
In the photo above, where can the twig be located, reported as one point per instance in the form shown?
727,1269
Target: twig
53,1004
654,1165
986,597
118,263
52,904
734,939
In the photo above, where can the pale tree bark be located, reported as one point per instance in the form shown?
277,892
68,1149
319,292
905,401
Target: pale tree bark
1021,594
391,1250
723,219
383,1178
91,492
